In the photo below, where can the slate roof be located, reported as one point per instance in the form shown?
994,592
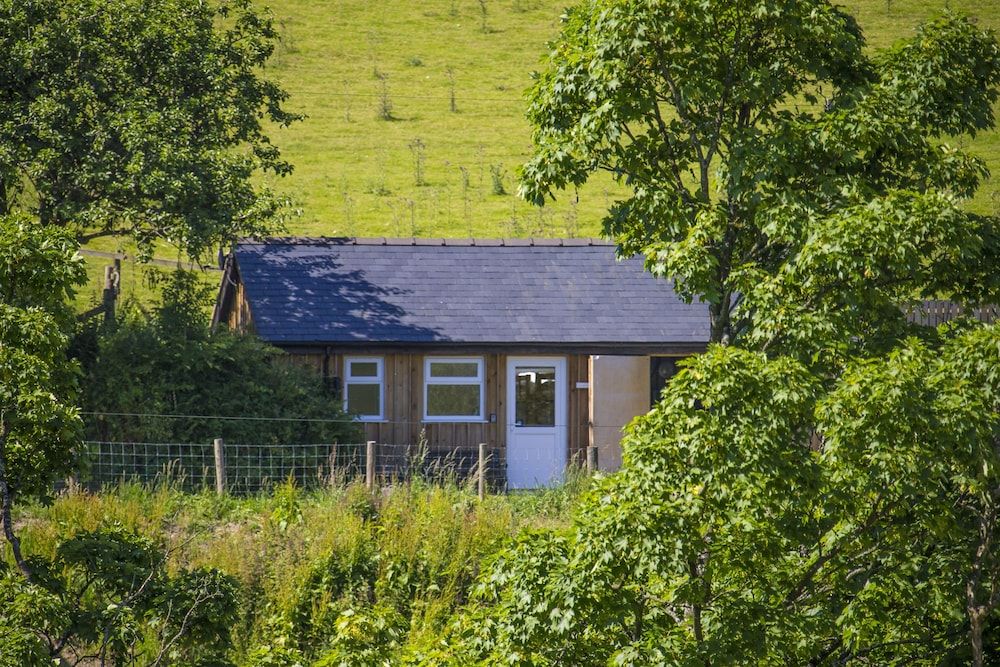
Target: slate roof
419,291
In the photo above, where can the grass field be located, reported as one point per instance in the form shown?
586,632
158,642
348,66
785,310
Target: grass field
356,174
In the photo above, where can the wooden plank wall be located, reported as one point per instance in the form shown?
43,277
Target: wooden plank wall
578,370
238,315
933,313
403,373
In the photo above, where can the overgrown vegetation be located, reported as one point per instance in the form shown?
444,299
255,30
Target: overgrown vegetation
329,577
167,361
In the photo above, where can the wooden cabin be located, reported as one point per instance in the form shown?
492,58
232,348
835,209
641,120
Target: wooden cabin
538,347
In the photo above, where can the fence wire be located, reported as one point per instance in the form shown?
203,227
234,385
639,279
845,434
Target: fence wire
250,469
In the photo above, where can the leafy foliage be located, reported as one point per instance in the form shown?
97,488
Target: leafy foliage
758,139
820,486
738,534
139,118
107,596
39,426
170,362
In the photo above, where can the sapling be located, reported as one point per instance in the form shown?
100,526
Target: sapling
384,100
417,149
498,174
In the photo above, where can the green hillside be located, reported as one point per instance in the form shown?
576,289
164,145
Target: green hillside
357,174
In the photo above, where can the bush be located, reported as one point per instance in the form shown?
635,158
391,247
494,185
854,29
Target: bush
169,362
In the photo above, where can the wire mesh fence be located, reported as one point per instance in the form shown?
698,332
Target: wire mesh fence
247,469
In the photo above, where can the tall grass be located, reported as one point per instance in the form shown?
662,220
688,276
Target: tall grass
306,561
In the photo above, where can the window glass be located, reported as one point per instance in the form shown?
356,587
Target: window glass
661,369
367,369
453,389
535,396
363,387
364,399
454,369
453,400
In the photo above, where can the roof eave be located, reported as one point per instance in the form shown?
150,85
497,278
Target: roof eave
541,347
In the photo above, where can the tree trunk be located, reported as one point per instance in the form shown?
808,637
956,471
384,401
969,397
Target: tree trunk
976,637
720,327
5,503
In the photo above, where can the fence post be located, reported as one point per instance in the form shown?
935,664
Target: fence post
370,465
220,466
482,470
591,459
112,276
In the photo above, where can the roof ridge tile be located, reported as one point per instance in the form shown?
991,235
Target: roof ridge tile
426,241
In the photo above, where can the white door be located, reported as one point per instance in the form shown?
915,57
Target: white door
536,421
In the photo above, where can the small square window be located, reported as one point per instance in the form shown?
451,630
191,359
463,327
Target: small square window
363,388
453,389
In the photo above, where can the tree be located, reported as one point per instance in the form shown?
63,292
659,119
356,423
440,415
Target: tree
763,147
106,595
821,486
728,539
39,425
144,119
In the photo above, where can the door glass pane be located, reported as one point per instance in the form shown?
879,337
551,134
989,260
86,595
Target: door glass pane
535,396
364,369
363,399
453,400
661,369
454,369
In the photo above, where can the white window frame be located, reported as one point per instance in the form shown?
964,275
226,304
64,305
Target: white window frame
379,380
479,380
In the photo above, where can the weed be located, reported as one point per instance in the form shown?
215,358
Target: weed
418,151
384,109
484,15
452,105
498,175
571,216
306,560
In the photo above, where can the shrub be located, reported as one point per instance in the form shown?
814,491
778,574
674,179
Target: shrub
169,362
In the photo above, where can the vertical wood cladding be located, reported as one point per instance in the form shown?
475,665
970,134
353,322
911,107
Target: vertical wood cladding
236,310
403,387
578,413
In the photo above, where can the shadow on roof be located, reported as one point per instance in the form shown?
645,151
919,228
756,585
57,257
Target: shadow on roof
316,289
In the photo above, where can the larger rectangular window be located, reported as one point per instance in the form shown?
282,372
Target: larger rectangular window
363,384
453,389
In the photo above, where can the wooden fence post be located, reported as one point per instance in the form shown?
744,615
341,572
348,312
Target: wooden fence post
370,465
112,276
220,466
591,459
482,470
